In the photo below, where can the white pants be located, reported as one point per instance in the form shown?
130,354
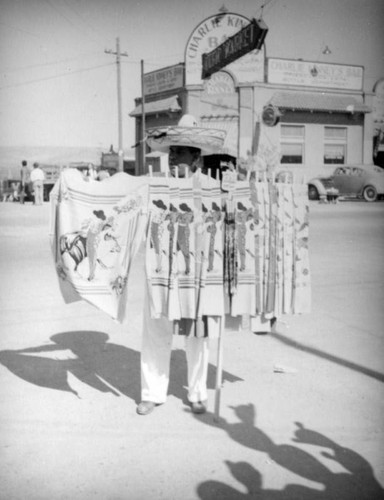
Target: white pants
156,356
38,188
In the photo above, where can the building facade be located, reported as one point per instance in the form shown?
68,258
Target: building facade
295,115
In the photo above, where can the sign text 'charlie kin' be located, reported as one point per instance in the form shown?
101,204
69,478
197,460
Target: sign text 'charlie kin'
249,38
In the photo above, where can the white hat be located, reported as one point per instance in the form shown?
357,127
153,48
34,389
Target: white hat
186,133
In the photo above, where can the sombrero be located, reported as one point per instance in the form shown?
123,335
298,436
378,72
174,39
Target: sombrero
186,133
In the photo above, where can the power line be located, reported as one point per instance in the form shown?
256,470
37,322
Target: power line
86,23
96,94
51,63
19,29
54,77
70,21
263,6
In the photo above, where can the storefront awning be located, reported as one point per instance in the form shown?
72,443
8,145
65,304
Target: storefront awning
308,101
170,104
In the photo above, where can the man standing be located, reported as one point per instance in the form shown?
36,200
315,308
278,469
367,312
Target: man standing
37,179
25,180
185,143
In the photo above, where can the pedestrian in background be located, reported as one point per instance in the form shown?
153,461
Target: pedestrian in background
37,179
91,172
25,180
103,174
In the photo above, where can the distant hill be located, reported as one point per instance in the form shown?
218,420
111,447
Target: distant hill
12,156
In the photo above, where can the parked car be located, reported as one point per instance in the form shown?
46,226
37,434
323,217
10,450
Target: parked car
361,181
366,181
322,188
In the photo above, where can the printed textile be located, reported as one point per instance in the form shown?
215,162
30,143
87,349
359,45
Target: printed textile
184,248
96,230
266,270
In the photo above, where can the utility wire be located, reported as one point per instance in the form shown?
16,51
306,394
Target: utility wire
72,24
263,6
19,29
97,93
54,77
51,63
86,23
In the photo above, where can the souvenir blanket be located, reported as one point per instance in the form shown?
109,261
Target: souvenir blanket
96,230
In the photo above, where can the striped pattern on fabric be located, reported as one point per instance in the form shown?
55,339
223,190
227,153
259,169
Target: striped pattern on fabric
207,253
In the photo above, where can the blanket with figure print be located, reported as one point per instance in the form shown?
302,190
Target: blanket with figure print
96,230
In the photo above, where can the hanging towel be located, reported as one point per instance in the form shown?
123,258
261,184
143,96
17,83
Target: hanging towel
211,279
160,254
301,272
246,222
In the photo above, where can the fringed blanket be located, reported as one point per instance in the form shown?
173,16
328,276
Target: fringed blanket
96,230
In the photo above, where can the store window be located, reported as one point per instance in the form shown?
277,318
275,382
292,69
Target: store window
292,141
335,145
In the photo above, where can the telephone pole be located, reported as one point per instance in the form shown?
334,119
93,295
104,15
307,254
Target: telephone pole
118,55
142,162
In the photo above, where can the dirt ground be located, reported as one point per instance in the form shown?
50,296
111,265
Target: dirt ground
301,409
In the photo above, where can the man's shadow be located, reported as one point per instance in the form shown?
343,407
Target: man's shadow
358,480
96,362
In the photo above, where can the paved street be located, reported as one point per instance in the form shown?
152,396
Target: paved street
301,409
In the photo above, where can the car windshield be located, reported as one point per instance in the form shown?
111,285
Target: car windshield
378,170
357,171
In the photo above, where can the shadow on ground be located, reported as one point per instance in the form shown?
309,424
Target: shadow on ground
357,482
91,358
329,357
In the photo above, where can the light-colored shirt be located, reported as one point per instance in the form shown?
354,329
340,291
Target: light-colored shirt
37,175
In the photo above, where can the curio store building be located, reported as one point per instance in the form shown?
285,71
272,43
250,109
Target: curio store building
295,115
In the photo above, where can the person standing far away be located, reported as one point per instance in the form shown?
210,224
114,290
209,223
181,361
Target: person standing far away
185,143
25,180
91,173
103,174
37,179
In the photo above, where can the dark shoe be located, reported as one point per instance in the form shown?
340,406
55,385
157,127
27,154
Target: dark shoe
198,407
145,407
272,328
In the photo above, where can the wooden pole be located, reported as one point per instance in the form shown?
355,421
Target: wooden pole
118,55
219,370
119,107
142,166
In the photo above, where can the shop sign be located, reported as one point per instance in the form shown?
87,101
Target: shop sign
378,102
314,74
170,78
220,83
209,35
270,115
251,37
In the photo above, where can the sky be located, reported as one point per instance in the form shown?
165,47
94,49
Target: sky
58,86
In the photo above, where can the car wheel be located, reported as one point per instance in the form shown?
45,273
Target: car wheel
370,193
313,193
